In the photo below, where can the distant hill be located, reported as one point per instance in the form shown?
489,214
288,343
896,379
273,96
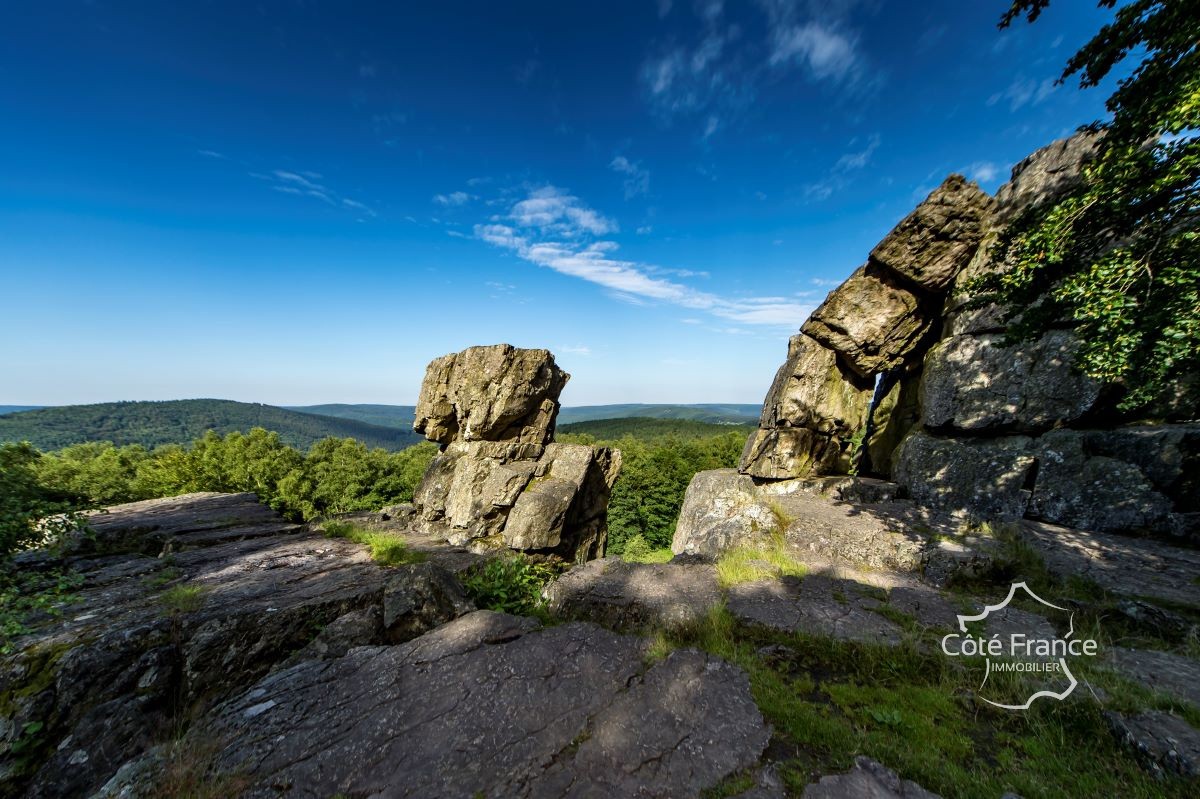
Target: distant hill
649,429
712,413
181,421
17,408
398,416
401,416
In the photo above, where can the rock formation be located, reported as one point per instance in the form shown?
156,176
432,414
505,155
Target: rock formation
499,481
895,375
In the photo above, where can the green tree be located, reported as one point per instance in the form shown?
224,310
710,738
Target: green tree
1118,253
30,513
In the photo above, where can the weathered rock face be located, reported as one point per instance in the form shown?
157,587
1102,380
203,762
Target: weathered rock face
490,706
496,393
881,319
1045,174
498,481
984,478
186,601
933,243
872,319
976,383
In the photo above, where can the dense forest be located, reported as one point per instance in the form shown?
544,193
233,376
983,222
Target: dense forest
659,458
340,475
153,424
398,416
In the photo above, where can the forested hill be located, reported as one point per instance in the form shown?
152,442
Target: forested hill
398,416
650,429
713,413
181,421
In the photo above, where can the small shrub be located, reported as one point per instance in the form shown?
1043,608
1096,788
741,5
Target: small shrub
24,595
637,550
511,585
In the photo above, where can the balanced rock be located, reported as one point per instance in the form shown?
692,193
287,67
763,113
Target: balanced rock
496,393
498,481
872,320
934,242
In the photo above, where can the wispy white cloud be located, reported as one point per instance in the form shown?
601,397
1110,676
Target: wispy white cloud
637,179
552,228
576,349
453,199
839,175
309,184
1024,91
827,53
982,171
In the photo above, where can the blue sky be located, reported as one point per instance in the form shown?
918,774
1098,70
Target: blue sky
305,202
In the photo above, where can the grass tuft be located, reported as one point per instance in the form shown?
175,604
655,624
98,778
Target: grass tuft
747,564
387,549
183,598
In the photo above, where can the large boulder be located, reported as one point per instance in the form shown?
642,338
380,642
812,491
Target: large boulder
934,242
978,383
1046,174
1093,492
633,596
498,480
494,393
721,511
781,453
814,389
872,319
972,477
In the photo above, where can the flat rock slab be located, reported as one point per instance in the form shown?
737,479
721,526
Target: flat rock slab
624,595
488,705
186,601
1162,742
1120,564
1172,674
868,779
814,605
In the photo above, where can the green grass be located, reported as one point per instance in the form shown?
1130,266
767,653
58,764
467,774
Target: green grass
747,564
511,584
913,709
183,598
387,549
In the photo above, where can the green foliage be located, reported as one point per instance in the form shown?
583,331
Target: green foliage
31,513
153,424
1119,254
26,595
387,549
648,429
655,472
638,551
335,476
182,598
511,584
913,709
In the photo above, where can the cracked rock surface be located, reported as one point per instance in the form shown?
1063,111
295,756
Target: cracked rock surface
488,705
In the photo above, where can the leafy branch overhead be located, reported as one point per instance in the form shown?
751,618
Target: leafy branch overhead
1118,254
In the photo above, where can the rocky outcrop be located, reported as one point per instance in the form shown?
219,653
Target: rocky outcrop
869,779
898,374
489,705
635,596
498,481
880,320
184,602
497,393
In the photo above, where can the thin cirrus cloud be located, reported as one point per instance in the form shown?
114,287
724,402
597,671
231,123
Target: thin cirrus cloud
553,229
840,174
637,179
715,75
453,199
308,184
